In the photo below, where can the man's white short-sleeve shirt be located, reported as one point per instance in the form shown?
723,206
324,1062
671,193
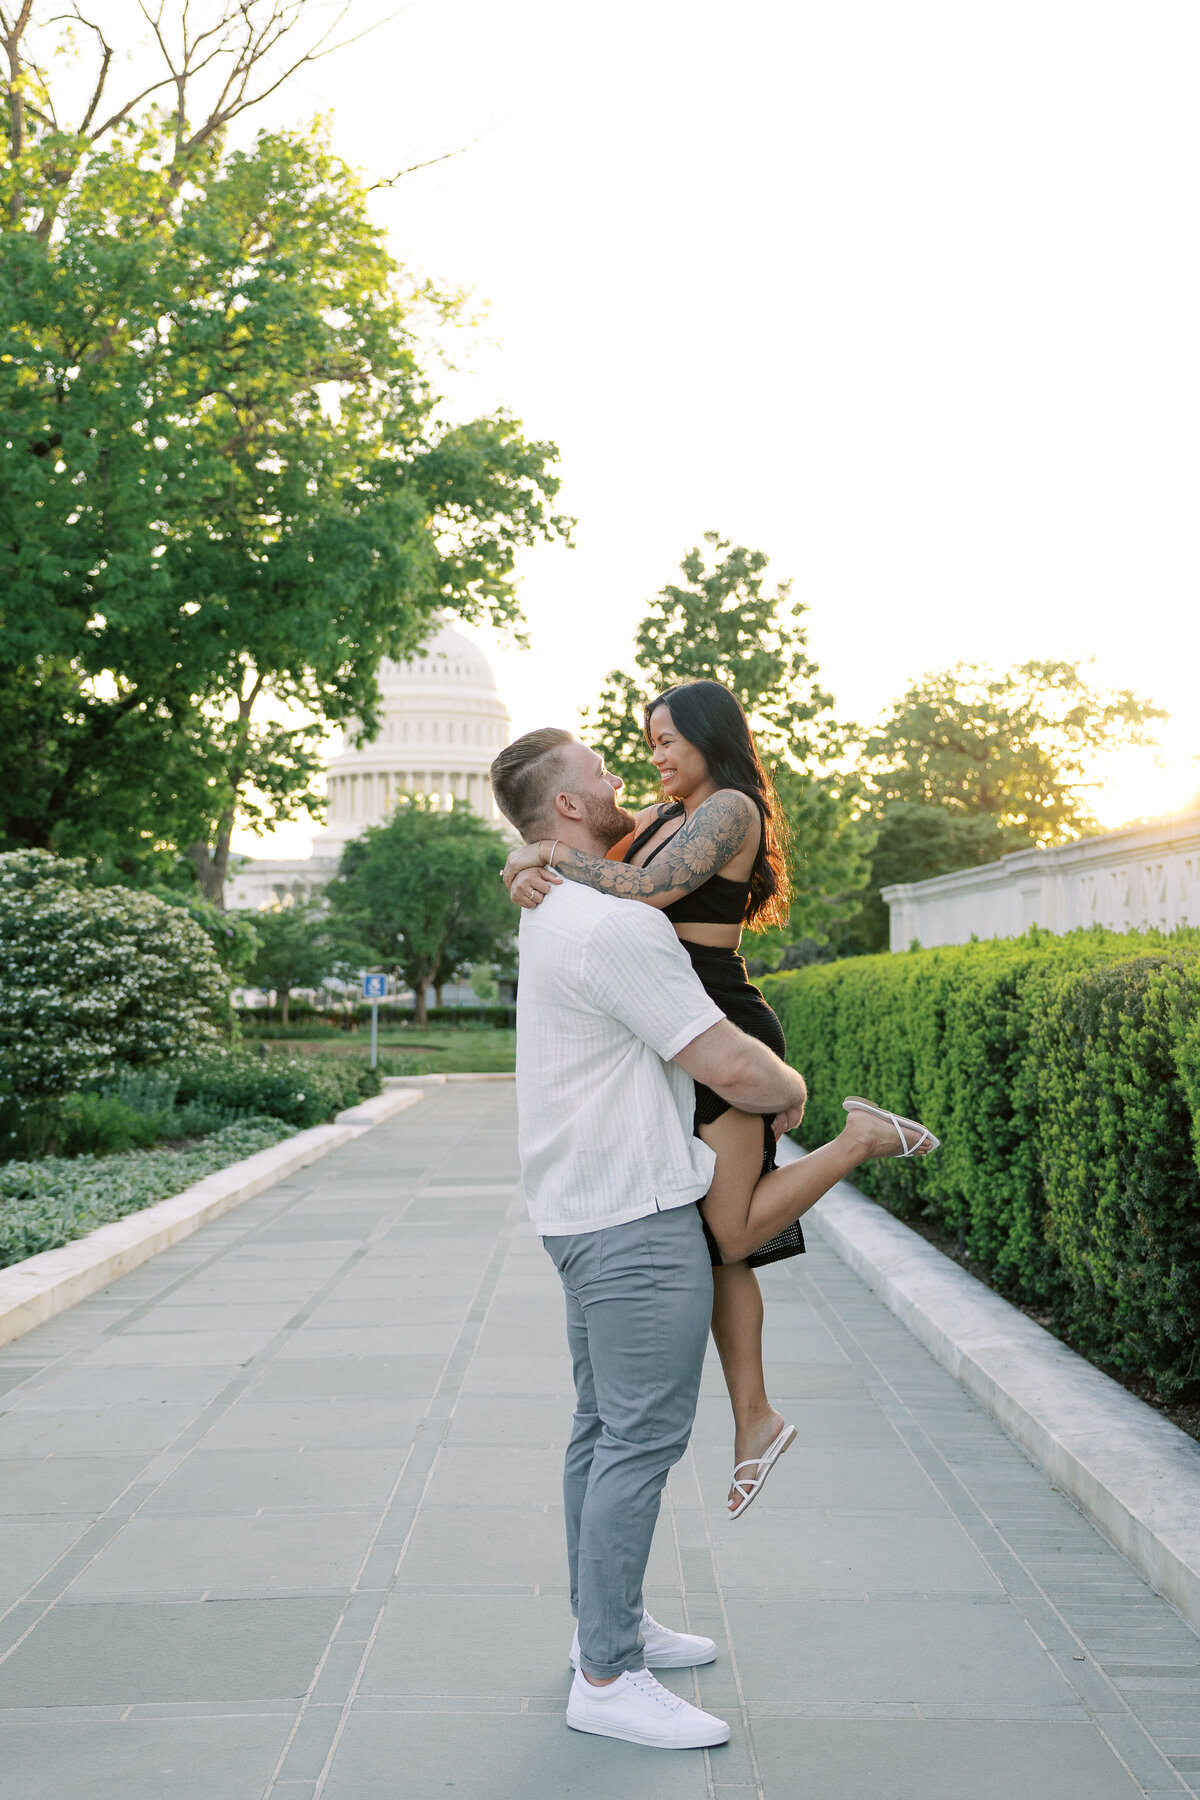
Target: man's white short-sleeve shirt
606,997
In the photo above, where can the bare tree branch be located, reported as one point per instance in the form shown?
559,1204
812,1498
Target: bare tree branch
235,51
106,56
234,98
429,163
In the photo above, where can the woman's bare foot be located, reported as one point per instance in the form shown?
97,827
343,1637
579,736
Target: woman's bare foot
751,1441
872,1136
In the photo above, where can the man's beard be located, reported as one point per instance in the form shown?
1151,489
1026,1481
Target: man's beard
607,823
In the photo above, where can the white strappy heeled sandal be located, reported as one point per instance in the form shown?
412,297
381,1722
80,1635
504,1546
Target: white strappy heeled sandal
749,1490
925,1142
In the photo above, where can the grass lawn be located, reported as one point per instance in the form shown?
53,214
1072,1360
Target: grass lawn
439,1050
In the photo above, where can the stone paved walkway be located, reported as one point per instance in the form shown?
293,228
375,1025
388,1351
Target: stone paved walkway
282,1519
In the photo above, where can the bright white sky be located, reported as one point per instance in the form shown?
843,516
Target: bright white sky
905,296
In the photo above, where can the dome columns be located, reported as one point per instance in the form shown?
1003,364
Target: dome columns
441,724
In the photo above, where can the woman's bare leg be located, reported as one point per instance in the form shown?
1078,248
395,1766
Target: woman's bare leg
737,1318
737,1322
744,1208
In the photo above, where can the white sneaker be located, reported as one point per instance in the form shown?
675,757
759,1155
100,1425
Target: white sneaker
641,1710
665,1649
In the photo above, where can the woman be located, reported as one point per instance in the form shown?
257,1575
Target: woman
712,859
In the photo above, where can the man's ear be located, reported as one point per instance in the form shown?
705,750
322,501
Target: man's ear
568,806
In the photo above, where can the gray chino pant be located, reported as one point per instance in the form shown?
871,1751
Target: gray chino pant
639,1302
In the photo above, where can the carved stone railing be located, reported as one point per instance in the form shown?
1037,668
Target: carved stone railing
1144,875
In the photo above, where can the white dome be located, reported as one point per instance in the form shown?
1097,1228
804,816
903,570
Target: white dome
441,724
449,659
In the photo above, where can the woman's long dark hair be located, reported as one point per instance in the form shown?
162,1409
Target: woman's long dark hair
711,718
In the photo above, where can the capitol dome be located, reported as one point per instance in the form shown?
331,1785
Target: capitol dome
443,724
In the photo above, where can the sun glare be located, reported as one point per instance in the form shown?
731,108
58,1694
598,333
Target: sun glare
1147,784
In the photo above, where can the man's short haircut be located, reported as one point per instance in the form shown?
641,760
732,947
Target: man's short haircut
525,776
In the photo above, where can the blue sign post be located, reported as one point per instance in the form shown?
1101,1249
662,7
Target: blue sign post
374,989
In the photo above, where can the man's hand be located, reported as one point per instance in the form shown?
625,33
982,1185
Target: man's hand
525,856
787,1121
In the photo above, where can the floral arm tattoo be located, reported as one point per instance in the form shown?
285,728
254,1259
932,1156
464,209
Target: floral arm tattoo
700,848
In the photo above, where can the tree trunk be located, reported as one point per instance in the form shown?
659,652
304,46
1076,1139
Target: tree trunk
285,995
16,109
437,995
212,865
421,1014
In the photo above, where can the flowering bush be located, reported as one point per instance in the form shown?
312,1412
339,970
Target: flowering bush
95,979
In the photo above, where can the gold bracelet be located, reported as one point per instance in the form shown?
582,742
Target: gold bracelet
550,859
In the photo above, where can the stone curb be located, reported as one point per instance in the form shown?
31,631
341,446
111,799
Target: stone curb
35,1290
420,1081
1135,1475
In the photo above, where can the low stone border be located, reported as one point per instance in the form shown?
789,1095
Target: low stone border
420,1081
35,1290
1134,1474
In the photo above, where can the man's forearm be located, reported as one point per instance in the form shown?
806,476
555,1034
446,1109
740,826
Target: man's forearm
742,1071
762,1083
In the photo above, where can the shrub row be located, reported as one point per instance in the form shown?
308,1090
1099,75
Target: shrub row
301,1090
1063,1076
141,1107
263,1022
47,1203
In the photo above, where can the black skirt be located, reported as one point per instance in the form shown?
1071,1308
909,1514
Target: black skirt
725,980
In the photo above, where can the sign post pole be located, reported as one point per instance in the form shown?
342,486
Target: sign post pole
373,986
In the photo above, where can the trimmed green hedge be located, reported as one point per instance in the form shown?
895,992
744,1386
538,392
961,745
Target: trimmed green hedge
264,1023
301,1090
47,1203
1063,1076
142,1107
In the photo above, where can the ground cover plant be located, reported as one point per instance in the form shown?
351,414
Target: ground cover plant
1063,1075
122,1145
48,1202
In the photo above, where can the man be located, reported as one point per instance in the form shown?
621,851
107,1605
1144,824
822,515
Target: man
612,1028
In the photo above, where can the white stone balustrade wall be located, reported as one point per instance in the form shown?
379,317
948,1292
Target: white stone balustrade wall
1145,875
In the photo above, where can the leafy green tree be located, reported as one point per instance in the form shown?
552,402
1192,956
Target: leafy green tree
484,985
227,487
971,763
723,624
913,841
422,895
294,950
1017,747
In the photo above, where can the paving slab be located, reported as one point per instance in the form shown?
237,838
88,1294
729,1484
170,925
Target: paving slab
937,1760
228,1755
124,1652
262,1554
285,1525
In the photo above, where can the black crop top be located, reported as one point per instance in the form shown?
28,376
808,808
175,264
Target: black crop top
717,901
